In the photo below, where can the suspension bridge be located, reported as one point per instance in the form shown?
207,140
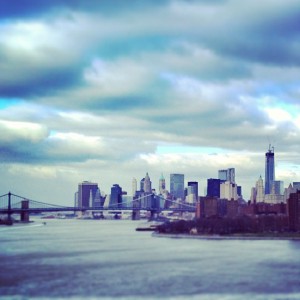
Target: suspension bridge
14,204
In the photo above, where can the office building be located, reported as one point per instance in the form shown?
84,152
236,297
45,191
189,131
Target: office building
192,192
76,203
162,184
87,193
287,191
116,196
222,175
260,191
228,190
239,191
227,175
209,206
147,184
177,186
213,187
134,186
98,200
269,170
142,185
277,187
293,209
296,185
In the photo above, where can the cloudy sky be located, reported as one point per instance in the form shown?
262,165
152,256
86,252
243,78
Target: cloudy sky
110,90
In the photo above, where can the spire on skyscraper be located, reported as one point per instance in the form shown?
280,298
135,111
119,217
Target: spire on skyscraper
269,169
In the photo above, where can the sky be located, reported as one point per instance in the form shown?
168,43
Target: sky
110,90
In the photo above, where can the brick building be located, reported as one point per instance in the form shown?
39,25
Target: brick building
293,209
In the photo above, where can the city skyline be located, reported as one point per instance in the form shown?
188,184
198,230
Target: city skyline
109,91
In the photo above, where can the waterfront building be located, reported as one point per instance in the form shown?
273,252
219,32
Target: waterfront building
162,184
247,209
264,208
177,186
209,207
232,208
293,209
269,170
86,193
116,196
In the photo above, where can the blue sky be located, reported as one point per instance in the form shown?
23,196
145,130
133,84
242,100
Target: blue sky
110,90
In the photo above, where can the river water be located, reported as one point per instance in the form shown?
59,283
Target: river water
108,259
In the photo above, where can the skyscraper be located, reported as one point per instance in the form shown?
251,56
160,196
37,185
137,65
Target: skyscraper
269,170
192,191
147,184
231,175
277,187
86,193
227,175
228,190
293,210
142,185
116,196
134,186
222,175
213,187
162,184
260,193
177,186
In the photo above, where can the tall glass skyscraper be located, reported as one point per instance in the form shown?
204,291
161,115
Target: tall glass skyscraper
227,175
177,186
269,170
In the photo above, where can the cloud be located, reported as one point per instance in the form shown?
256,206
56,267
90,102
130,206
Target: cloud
93,91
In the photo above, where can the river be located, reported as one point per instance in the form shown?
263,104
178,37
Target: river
108,259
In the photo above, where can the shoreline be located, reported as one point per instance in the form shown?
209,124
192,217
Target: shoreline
224,237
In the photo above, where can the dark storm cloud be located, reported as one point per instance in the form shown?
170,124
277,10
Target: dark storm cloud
37,83
32,8
260,35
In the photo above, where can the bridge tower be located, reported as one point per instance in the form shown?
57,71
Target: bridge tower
155,206
9,211
136,205
25,214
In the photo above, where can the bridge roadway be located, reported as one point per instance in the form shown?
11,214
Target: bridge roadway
74,209
14,204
